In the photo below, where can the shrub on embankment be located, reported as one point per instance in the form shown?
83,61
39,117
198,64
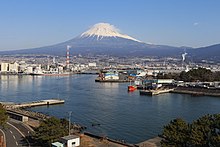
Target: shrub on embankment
50,130
3,116
203,132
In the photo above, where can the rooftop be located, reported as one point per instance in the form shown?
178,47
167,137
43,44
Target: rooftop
69,137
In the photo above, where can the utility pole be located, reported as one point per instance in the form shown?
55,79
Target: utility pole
70,112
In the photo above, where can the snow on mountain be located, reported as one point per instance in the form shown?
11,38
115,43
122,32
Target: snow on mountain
101,30
104,39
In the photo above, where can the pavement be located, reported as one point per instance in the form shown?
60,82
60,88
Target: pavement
17,134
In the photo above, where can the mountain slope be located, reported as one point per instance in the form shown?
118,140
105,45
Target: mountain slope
101,30
206,53
104,38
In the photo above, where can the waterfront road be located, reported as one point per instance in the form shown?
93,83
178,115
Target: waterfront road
16,134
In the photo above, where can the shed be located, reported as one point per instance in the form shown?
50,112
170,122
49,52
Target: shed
70,141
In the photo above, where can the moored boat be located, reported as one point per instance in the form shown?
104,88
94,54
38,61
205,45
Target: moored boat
132,87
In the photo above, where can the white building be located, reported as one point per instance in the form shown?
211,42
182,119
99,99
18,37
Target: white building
13,67
29,70
92,64
60,69
111,76
70,141
4,67
165,81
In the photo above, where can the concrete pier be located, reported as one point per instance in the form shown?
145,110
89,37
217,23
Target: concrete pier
194,91
155,92
39,103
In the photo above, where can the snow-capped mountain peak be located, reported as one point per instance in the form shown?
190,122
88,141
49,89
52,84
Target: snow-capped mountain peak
105,30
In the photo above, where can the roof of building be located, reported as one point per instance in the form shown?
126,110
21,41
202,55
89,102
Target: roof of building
57,144
69,137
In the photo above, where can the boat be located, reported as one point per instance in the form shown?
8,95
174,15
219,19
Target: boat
132,87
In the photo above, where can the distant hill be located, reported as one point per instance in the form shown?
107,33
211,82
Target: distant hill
105,39
206,53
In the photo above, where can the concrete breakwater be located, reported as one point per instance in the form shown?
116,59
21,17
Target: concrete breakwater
194,91
20,110
111,81
155,92
39,103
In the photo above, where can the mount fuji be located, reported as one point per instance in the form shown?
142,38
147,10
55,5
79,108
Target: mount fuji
103,39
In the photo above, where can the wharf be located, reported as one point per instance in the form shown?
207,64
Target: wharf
197,91
155,92
39,103
111,81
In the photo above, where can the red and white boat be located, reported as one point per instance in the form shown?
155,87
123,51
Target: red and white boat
132,87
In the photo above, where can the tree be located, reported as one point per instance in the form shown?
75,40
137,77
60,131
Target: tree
203,132
50,130
200,74
3,116
215,138
175,134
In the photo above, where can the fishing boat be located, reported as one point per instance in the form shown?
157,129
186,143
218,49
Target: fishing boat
132,87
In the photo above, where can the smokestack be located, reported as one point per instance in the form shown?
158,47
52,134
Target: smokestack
68,56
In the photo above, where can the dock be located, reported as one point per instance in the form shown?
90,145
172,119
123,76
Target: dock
39,103
111,81
155,92
193,91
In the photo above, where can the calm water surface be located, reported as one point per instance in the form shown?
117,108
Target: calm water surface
122,115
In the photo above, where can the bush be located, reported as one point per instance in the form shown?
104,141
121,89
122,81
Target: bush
203,132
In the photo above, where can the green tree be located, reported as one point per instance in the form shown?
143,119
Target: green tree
200,74
3,116
175,134
203,132
215,137
50,130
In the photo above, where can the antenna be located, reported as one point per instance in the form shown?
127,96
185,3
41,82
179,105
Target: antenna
70,112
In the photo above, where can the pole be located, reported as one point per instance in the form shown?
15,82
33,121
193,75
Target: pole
70,112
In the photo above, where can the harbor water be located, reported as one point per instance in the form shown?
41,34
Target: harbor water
118,113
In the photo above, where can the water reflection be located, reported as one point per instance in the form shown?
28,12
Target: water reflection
121,115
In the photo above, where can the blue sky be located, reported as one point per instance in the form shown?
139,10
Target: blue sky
35,23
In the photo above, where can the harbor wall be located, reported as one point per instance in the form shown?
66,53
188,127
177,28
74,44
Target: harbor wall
197,91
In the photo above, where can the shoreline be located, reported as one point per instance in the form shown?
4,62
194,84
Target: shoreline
197,91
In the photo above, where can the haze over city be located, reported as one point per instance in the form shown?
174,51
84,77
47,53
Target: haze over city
29,24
